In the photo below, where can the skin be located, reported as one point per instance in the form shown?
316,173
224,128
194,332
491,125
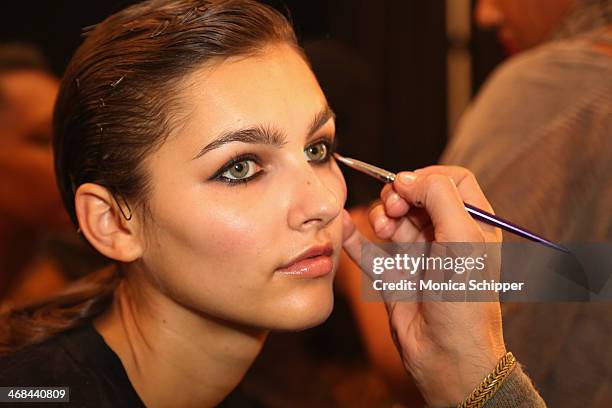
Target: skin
447,347
522,24
202,290
372,320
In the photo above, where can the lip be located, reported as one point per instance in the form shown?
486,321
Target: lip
314,262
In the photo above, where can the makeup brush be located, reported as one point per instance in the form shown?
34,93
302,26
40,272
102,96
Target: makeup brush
481,215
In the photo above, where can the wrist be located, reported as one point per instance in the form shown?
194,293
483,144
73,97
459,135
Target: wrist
480,366
458,376
490,384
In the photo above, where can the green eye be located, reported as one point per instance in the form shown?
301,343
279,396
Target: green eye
240,170
317,152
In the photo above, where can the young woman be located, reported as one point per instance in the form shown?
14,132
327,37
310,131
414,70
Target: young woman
193,147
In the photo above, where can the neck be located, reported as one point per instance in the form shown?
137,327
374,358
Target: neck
175,356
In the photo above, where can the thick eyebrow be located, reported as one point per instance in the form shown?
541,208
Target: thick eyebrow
255,135
266,135
320,119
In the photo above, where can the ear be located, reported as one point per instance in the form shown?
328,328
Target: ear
104,226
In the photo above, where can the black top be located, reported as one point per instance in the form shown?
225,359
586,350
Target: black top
81,360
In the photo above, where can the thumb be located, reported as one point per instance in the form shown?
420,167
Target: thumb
401,314
354,243
439,196
352,240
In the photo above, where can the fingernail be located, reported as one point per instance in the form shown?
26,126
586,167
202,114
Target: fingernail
407,177
392,199
379,224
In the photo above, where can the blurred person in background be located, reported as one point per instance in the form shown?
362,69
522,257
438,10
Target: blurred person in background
538,138
32,216
538,133
29,202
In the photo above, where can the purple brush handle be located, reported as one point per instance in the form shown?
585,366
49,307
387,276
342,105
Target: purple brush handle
494,220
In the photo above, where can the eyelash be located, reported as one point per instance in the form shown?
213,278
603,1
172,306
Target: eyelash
330,143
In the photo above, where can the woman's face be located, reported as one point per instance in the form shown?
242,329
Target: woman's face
245,186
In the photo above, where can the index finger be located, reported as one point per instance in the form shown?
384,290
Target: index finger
466,183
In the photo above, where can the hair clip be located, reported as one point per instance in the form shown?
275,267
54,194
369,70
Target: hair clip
117,82
127,218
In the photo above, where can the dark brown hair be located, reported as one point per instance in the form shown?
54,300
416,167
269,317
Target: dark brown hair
118,101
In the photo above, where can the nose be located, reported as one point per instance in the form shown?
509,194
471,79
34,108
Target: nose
487,14
314,202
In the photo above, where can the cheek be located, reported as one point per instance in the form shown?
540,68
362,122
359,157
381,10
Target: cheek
239,229
338,184
223,228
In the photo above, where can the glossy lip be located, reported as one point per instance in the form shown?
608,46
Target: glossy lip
313,262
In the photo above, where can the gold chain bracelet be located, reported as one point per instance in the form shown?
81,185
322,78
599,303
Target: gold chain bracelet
491,383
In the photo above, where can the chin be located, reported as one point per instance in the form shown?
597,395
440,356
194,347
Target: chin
304,311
